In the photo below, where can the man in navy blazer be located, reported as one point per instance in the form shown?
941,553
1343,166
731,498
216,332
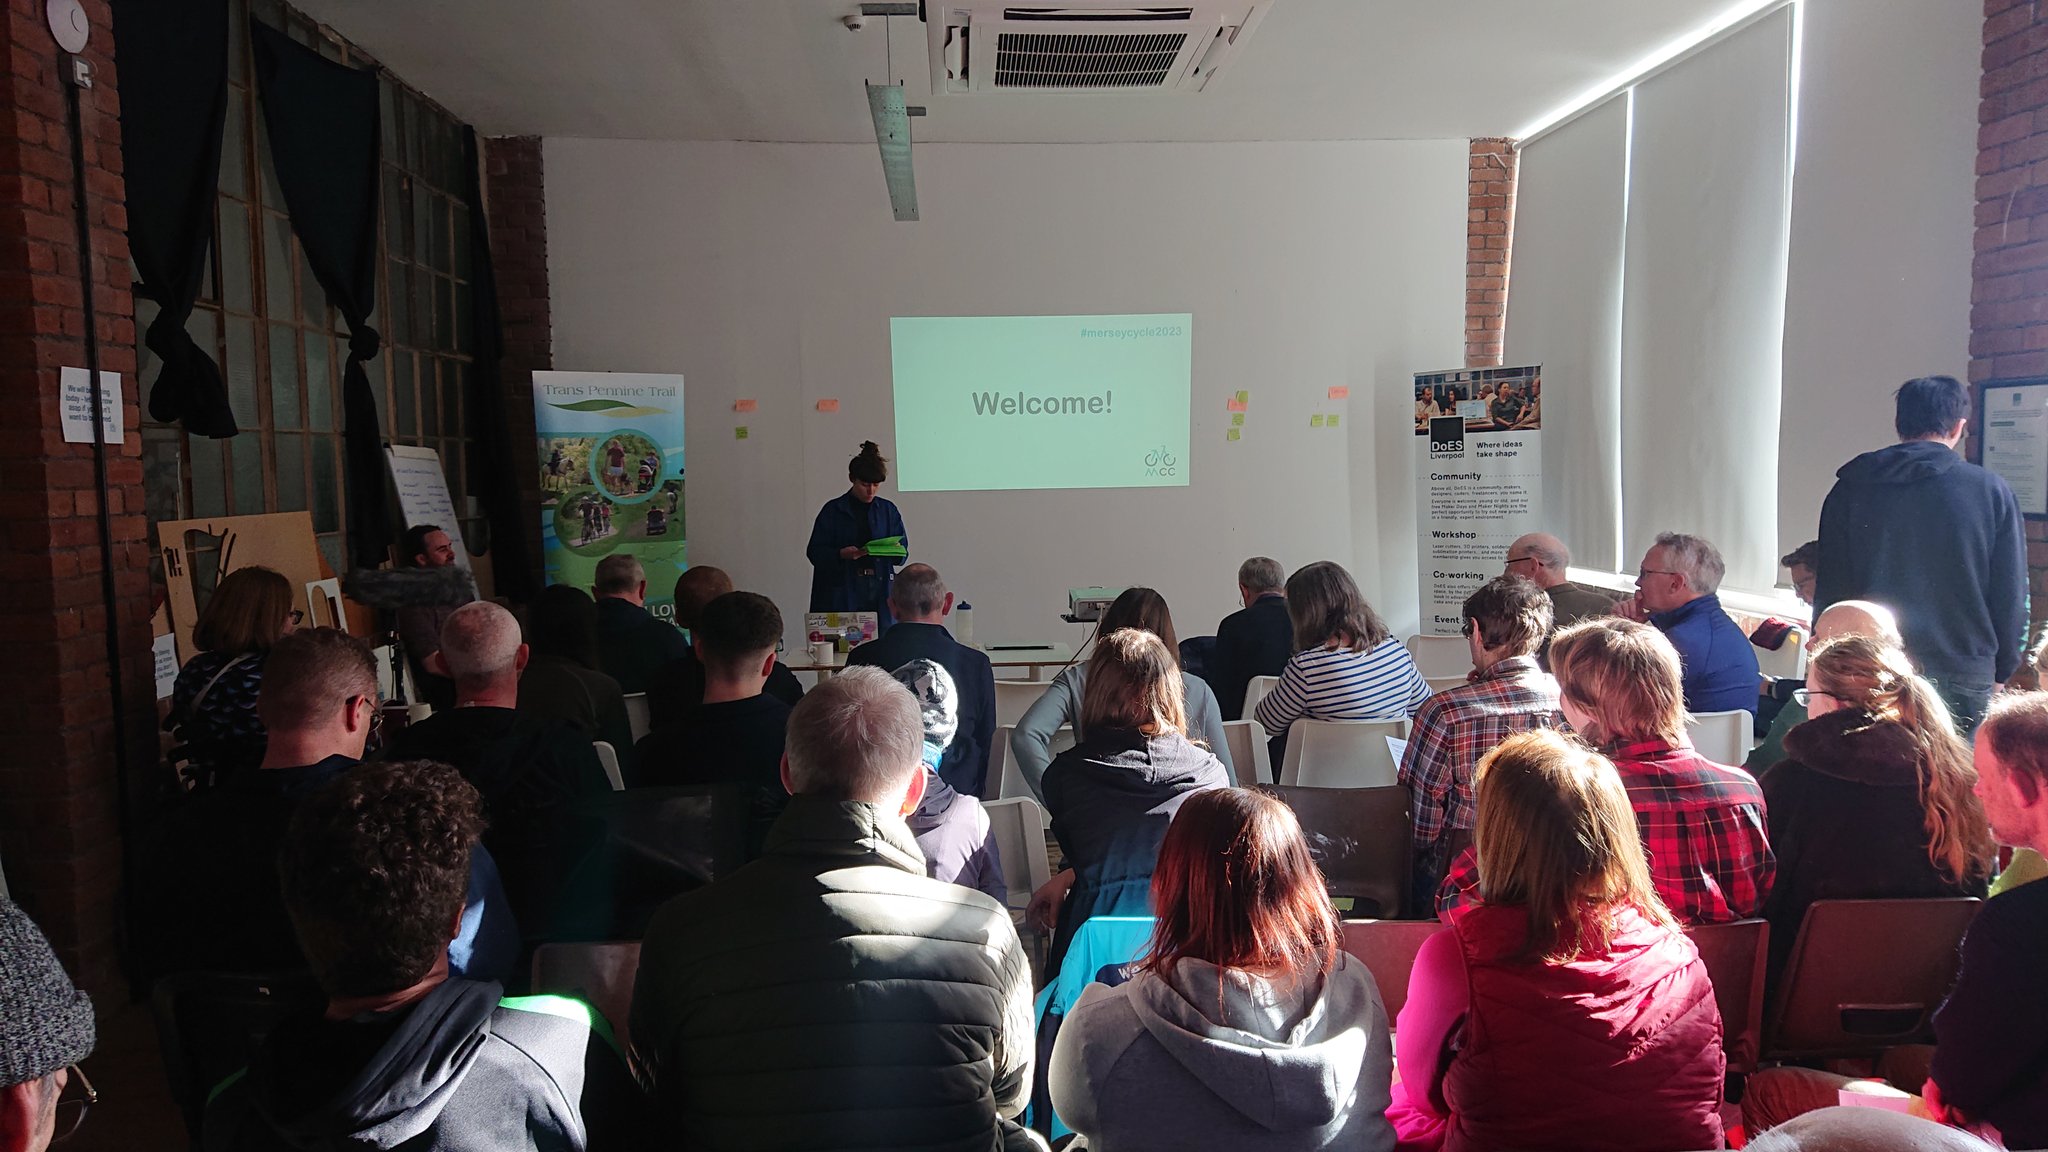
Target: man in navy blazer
1256,640
920,602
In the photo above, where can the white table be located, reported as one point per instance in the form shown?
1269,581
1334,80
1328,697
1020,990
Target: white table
1033,657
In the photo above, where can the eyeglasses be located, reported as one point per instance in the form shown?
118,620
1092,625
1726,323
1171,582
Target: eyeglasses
1514,560
1642,572
1465,629
298,617
1804,696
78,1096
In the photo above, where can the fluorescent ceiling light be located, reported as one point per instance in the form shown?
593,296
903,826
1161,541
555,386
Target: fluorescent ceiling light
1728,18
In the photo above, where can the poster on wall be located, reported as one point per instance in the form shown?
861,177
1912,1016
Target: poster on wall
2016,439
1478,482
611,476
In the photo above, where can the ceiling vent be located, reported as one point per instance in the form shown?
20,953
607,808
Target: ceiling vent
1085,45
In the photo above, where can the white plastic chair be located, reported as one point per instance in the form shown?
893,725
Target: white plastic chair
609,757
1444,683
1342,753
1249,752
1788,662
1440,657
638,717
1018,823
1014,698
1723,737
1255,690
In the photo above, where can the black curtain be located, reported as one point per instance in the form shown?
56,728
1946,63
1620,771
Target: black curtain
324,134
493,467
174,99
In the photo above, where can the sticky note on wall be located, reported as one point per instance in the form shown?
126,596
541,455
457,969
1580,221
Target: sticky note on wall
1231,434
1331,422
740,433
1237,420
1233,405
1340,392
1316,421
746,406
828,405
1243,396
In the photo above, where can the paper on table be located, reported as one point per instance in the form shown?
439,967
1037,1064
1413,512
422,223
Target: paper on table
1397,748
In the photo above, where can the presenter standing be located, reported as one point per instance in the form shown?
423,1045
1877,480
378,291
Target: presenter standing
844,578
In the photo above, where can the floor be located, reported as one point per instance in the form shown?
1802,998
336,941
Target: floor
135,1113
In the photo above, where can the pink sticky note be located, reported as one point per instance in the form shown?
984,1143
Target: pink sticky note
1340,392
1233,405
746,406
828,405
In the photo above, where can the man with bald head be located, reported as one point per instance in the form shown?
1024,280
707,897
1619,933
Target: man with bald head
1542,559
1845,618
678,688
920,602
531,769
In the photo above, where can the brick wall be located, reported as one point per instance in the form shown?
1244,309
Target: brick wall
516,211
1489,231
2009,297
59,837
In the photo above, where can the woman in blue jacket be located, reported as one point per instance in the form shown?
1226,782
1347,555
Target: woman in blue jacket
844,578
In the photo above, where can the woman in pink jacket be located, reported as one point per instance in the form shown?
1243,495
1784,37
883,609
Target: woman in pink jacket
1565,1009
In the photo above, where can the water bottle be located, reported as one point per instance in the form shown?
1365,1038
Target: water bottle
963,623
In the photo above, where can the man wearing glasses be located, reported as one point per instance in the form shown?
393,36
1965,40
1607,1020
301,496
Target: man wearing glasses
1676,592
45,1030
1543,560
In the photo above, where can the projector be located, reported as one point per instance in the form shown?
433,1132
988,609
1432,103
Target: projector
1090,603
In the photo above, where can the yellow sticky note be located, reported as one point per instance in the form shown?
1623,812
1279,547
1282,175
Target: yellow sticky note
746,406
1331,422
1243,395
740,433
1316,421
1237,420
828,405
1231,434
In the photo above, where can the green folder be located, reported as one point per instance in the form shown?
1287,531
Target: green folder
888,546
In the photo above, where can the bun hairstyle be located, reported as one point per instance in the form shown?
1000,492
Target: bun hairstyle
870,467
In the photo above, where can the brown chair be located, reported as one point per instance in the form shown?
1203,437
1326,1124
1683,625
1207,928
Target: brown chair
1388,948
1865,975
1735,955
599,974
1360,837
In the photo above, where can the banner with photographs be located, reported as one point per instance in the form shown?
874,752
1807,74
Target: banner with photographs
1478,481
611,476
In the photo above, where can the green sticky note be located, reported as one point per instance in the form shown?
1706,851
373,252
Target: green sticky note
1231,434
1331,422
740,433
1237,419
1316,421
1243,395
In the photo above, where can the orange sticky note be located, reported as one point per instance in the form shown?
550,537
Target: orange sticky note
1340,392
1233,405
746,406
828,405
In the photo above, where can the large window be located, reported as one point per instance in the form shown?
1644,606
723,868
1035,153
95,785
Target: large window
281,347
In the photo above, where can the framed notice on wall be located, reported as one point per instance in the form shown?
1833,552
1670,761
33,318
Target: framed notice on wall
2015,439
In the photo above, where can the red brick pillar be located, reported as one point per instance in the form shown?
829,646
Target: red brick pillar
59,831
1489,233
2009,295
516,211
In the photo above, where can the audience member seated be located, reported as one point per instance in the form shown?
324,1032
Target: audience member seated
207,890
920,601
531,770
1702,823
1565,1009
830,994
1802,564
631,643
1873,798
1991,1034
1257,639
561,678
735,736
1676,590
679,685
952,830
1506,620
1543,560
1346,665
1113,794
1060,706
1245,1027
46,1028
407,1054
213,702
419,625
1846,618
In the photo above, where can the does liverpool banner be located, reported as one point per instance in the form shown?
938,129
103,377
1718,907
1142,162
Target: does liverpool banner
611,476
1478,482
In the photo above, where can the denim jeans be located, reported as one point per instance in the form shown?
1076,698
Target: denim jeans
1967,696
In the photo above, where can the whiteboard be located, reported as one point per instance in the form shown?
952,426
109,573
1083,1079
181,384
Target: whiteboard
423,494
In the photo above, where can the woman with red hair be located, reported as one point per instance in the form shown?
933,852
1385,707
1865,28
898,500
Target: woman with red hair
1245,1027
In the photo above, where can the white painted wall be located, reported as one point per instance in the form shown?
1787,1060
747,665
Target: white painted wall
769,272
1882,197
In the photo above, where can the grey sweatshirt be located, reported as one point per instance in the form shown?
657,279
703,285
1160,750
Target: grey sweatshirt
1060,707
1223,1059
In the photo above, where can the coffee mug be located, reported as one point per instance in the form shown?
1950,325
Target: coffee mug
821,652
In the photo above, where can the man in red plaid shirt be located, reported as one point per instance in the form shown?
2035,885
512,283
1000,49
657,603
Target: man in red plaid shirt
1702,823
1506,621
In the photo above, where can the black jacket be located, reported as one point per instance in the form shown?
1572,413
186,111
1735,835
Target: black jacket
1846,822
462,1069
1938,540
831,995
965,763
678,688
1254,641
1990,1046
632,645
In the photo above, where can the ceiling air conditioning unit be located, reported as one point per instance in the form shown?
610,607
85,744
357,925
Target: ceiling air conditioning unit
1085,45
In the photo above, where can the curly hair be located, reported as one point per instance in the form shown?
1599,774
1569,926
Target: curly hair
374,872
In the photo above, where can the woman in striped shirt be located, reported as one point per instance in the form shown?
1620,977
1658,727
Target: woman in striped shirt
1346,665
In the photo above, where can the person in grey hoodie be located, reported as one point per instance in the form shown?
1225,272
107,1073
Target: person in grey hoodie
405,1056
952,830
1245,1027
